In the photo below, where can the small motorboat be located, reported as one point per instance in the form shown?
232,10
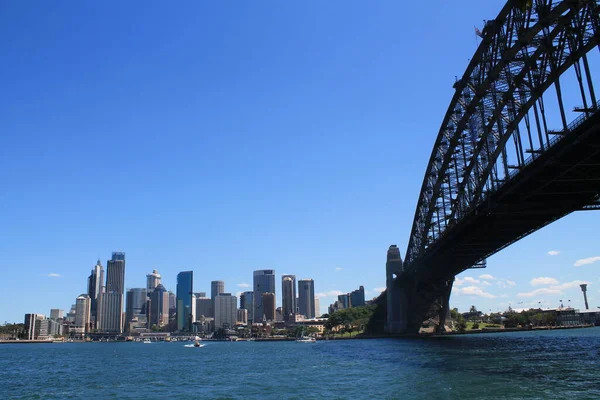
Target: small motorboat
306,339
147,341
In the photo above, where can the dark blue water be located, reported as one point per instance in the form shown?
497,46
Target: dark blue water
520,365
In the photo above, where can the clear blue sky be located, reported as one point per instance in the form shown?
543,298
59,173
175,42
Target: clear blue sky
226,137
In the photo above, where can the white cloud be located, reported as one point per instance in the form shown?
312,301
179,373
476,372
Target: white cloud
468,279
553,252
243,285
554,290
378,289
338,268
585,261
487,277
543,281
475,291
486,283
54,275
458,282
331,293
505,283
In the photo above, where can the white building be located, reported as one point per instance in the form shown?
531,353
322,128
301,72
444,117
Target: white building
242,316
83,306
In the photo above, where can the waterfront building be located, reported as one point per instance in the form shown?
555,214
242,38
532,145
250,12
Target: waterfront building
135,308
242,316
112,300
344,300
268,303
152,281
95,289
306,297
83,305
49,328
288,297
56,314
203,307
225,310
185,289
357,297
159,307
247,303
32,325
263,282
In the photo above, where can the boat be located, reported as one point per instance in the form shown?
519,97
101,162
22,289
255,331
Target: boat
147,341
306,339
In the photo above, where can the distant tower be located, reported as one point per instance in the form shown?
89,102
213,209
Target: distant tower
263,282
584,290
95,283
306,298
288,297
185,290
111,319
152,281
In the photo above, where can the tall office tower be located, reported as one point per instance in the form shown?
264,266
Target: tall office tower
216,288
159,307
242,316
83,305
357,297
344,300
71,314
203,307
200,294
225,311
306,298
152,281
172,301
135,308
193,310
288,297
111,316
247,303
32,325
56,314
185,289
317,307
95,282
268,304
264,282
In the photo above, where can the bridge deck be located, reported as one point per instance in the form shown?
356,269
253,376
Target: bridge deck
563,179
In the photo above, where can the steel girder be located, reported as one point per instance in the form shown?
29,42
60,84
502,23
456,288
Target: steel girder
522,54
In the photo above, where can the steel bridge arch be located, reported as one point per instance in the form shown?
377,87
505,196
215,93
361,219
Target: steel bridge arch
523,52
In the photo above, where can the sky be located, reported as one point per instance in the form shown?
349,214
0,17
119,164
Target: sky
226,137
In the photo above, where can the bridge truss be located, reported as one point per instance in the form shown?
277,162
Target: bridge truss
499,119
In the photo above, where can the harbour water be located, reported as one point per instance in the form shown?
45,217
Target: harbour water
561,364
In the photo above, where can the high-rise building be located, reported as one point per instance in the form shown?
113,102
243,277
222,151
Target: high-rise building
247,303
268,304
225,311
95,289
56,314
242,316
185,290
216,288
159,307
83,305
152,281
200,294
49,328
357,297
203,307
135,308
306,298
264,282
111,315
172,301
288,297
317,307
32,326
344,300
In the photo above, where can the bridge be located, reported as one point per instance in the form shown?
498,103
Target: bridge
508,159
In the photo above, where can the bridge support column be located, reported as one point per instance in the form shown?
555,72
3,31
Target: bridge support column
445,309
396,321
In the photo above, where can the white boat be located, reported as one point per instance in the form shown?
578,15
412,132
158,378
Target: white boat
147,341
306,339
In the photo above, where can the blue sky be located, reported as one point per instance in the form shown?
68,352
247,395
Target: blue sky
225,138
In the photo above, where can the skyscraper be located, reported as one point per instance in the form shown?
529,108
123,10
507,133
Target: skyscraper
344,299
185,290
56,314
203,307
83,306
216,288
264,282
268,304
288,297
159,304
32,326
306,297
247,303
95,282
317,307
111,319
225,311
357,297
135,308
152,281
